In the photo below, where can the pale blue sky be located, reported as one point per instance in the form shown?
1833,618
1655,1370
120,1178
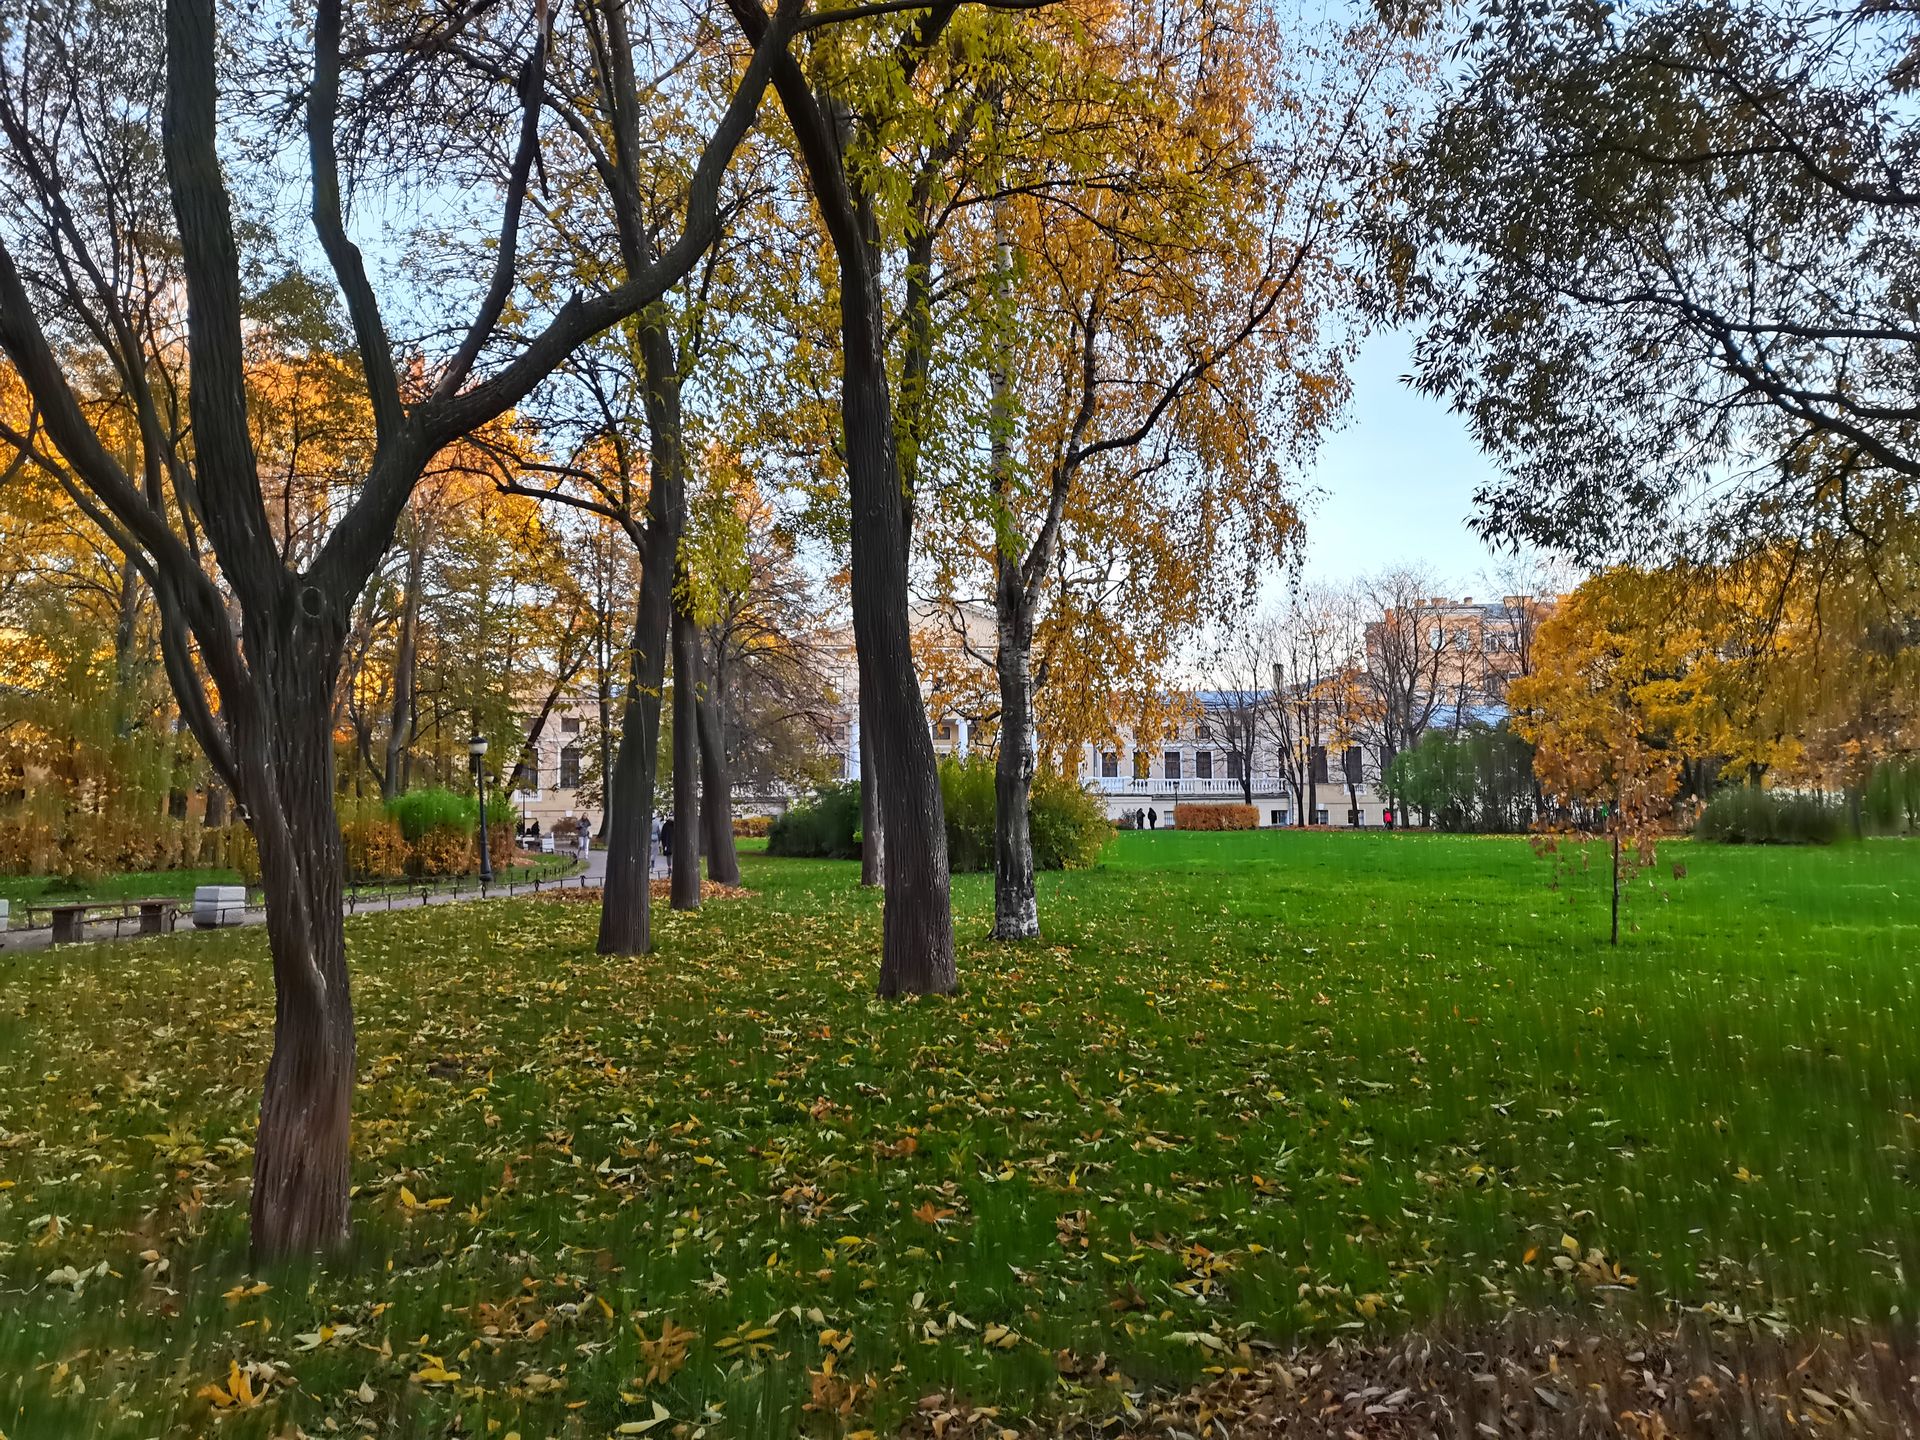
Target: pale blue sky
1396,482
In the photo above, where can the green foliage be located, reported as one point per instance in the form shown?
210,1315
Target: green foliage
421,811
1067,825
1892,798
1748,815
826,827
1474,780
441,829
1198,1077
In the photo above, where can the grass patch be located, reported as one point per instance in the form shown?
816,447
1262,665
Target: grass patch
1250,1086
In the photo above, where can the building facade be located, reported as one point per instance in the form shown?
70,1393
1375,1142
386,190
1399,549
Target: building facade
1216,757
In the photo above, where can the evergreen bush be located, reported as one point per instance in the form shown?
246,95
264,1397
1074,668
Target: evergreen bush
827,827
1748,815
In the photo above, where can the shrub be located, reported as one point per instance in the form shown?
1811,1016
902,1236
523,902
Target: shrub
1473,780
1067,825
443,850
1892,798
1191,816
242,853
1748,815
371,842
966,793
752,827
1070,827
826,827
419,811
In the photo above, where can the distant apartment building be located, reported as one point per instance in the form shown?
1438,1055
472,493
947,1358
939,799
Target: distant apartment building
1460,654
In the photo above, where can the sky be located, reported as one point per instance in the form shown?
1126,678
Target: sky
1396,482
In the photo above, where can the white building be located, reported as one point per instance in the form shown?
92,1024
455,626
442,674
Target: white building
1201,764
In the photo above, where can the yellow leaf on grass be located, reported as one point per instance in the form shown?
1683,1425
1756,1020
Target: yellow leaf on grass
434,1372
641,1427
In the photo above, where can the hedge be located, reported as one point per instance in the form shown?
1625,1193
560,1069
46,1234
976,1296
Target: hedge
752,827
1191,816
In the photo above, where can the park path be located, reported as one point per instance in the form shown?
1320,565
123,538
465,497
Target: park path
41,938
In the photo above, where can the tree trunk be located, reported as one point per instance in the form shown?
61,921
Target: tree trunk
1016,908
1614,937
917,950
686,763
406,648
625,903
873,835
626,918
716,786
301,1160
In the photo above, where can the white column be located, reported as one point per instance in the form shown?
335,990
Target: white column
960,743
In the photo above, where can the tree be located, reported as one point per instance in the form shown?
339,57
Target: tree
1240,676
1398,690
917,948
1160,245
191,516
1306,665
1661,255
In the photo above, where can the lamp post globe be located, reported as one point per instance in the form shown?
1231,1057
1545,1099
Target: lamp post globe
477,752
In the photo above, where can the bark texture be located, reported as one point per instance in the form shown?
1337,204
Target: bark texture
1016,907
716,785
873,831
626,919
685,889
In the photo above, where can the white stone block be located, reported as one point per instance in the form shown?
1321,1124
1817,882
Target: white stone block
217,905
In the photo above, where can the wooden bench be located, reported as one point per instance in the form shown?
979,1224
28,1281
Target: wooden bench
157,914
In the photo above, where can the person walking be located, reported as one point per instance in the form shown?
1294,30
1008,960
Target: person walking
1153,819
1139,819
666,837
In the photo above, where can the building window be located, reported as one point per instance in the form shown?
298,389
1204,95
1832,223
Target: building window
1233,765
525,779
1204,730
1173,765
569,724
1110,766
1318,760
944,730
1203,765
1276,817
570,768
1353,817
1320,816
1141,765
1350,764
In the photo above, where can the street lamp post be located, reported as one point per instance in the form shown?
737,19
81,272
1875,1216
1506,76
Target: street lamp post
477,752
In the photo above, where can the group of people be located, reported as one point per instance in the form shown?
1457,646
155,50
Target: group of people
1148,819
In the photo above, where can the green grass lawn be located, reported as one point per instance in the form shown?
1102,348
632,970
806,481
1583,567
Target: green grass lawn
1250,1087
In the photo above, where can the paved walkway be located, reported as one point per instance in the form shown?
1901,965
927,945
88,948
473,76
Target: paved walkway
395,898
